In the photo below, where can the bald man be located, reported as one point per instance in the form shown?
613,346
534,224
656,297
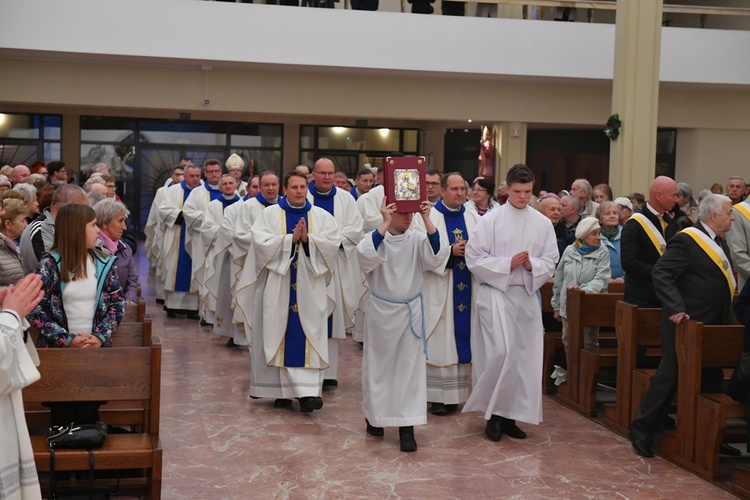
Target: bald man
20,175
551,207
37,238
644,239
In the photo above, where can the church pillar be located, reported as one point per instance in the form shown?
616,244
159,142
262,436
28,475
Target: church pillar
511,147
635,95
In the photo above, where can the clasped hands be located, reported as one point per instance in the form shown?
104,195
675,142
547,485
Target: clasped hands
521,259
300,232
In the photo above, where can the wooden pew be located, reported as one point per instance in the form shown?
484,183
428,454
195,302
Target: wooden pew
552,342
136,334
699,346
135,312
584,310
635,327
124,374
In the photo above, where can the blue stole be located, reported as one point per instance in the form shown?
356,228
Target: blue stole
264,201
215,193
324,201
456,227
295,342
184,262
225,203
354,192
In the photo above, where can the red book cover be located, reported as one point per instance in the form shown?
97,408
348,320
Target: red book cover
404,182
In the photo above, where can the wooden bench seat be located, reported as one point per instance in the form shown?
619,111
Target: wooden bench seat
713,410
135,313
121,376
583,310
636,328
133,334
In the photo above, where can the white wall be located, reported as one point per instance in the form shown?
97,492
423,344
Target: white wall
706,156
215,33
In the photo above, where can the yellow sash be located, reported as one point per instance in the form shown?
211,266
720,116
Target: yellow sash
653,234
715,253
743,209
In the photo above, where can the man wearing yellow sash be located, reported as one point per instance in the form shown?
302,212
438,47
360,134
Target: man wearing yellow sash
693,280
644,239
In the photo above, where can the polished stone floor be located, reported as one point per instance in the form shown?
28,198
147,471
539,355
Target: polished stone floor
220,444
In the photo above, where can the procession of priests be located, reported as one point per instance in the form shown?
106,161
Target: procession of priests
444,302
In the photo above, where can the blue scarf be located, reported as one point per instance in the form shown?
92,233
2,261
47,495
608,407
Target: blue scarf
264,201
455,224
214,192
295,342
324,201
226,202
583,248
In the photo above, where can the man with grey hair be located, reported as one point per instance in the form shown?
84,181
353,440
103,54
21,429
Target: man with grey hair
581,189
570,207
20,175
694,280
95,184
735,189
37,238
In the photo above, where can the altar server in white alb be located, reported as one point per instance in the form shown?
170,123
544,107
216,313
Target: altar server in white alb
449,302
296,246
393,259
18,476
512,253
346,287
218,313
243,270
180,296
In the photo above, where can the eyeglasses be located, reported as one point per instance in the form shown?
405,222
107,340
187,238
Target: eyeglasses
324,174
481,190
432,184
111,187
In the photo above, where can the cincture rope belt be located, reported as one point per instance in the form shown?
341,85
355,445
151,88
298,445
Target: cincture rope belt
407,302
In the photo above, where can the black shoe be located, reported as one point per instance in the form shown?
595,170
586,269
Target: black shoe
170,313
494,429
510,428
329,382
374,431
641,448
231,343
442,409
282,403
668,422
729,450
406,437
160,301
204,323
193,315
308,404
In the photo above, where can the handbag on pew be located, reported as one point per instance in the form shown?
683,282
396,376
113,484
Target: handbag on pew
743,367
79,436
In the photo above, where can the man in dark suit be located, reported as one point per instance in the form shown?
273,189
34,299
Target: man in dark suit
639,252
690,285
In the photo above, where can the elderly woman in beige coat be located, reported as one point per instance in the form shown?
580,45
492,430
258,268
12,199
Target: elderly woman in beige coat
18,360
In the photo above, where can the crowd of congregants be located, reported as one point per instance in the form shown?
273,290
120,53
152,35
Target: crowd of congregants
444,301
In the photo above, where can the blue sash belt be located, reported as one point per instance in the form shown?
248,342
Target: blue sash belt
407,302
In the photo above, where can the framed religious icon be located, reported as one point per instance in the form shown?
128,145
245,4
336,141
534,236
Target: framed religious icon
404,182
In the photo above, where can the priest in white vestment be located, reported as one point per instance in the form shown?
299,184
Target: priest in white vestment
194,212
296,246
217,311
243,271
155,234
225,260
393,259
176,266
18,475
449,302
346,288
512,253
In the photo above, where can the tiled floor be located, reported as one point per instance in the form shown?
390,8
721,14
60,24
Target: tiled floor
218,443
